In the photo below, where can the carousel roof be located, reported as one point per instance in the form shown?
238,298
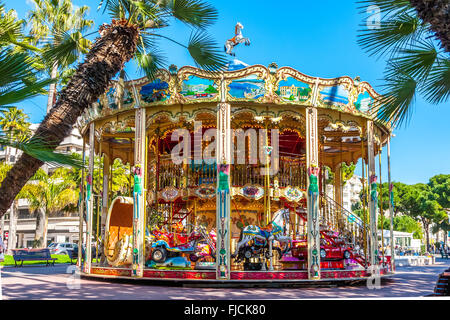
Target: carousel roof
254,92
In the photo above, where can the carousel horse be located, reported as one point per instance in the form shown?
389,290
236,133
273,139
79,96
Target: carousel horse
238,38
253,232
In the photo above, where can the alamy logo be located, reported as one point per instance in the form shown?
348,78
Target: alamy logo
374,19
73,281
247,147
374,281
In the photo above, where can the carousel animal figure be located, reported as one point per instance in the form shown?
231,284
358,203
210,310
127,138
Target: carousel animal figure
237,39
275,231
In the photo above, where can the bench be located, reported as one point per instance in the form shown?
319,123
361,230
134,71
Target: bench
442,287
444,254
21,255
73,255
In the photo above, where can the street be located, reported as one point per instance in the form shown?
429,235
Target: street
35,283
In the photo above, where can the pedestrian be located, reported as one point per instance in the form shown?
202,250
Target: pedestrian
2,248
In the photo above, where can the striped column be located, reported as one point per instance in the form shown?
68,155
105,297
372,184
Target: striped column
139,204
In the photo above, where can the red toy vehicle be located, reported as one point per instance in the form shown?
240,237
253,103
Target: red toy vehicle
331,248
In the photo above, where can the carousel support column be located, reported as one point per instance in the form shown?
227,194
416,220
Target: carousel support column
313,227
89,200
223,197
81,210
140,167
381,210
338,195
391,205
373,198
105,200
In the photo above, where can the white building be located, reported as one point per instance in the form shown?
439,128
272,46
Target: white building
61,228
72,143
401,239
351,191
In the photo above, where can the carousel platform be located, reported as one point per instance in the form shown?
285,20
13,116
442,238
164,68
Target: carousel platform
237,278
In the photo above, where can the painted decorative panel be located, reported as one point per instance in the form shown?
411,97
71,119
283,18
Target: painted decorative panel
155,91
241,219
111,98
293,90
128,98
337,96
199,88
248,88
364,102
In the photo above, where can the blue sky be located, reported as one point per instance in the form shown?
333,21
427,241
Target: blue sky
317,38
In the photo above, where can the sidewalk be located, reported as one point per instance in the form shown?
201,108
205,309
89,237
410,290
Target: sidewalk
51,283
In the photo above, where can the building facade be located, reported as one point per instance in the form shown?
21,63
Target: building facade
60,228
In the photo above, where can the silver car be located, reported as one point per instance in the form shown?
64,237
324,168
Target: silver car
61,248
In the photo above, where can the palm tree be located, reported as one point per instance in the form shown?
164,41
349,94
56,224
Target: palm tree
58,21
415,63
4,168
436,13
48,195
118,43
14,123
19,81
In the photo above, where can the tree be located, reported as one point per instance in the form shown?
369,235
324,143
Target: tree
117,44
347,172
407,224
414,64
47,195
419,204
399,191
14,123
58,21
440,187
436,14
19,81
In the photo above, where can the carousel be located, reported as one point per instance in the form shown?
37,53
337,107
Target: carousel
230,177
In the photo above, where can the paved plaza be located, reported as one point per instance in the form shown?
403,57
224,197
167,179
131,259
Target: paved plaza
35,283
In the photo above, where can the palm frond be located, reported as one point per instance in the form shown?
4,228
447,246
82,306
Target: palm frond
388,7
398,96
116,8
205,52
64,48
18,80
418,60
149,62
195,13
39,148
437,84
392,34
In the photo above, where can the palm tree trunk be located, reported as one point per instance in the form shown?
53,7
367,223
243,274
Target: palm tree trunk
40,226
436,13
107,57
2,226
427,233
12,227
52,88
45,231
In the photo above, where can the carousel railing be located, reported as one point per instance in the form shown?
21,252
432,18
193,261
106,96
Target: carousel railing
291,173
352,228
190,174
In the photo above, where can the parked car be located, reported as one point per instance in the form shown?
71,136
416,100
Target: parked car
61,248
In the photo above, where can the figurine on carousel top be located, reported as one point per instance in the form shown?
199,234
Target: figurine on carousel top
237,39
